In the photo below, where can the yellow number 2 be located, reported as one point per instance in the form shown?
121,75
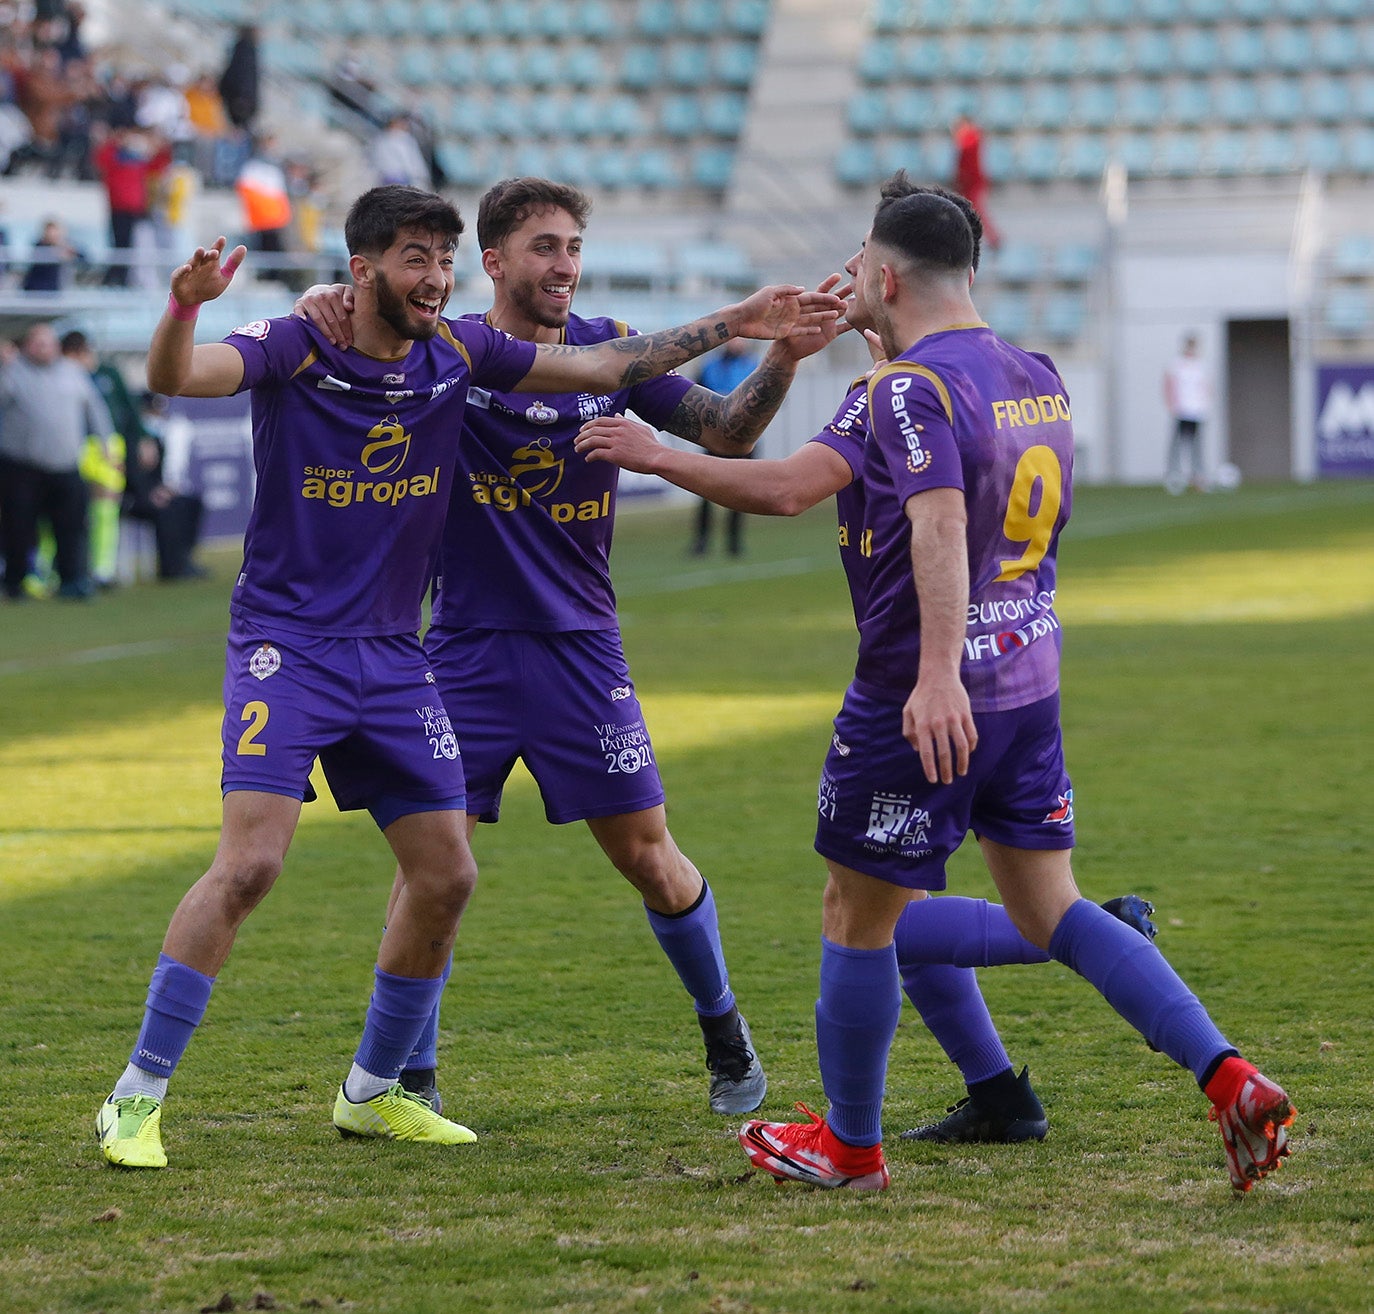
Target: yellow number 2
1037,465
256,714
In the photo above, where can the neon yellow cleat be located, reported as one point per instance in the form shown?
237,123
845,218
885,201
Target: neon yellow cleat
130,1131
397,1115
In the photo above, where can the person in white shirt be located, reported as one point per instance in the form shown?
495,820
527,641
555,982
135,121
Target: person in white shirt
1187,392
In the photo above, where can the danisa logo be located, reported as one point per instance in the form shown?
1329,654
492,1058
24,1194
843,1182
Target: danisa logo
384,454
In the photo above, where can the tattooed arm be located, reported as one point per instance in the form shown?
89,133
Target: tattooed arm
731,425
772,312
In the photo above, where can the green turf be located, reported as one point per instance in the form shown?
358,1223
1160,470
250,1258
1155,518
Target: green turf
1217,694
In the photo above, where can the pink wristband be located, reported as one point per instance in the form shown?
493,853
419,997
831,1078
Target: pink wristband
176,310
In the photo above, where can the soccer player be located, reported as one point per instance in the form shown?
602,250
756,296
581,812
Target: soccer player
964,488
528,652
354,450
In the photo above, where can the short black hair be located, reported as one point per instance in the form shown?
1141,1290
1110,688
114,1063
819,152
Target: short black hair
380,214
929,231
510,202
902,184
73,341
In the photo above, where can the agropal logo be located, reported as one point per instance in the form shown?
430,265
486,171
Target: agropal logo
387,448
536,469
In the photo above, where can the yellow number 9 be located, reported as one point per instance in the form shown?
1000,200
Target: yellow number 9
255,713
1020,525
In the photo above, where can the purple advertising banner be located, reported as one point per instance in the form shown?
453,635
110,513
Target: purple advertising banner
1345,421
210,452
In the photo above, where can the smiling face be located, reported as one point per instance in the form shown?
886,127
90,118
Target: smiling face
412,281
535,272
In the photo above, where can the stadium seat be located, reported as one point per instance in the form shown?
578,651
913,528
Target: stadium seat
1069,13
1188,104
1048,106
1354,256
1253,11
460,164
1009,315
889,16
999,159
1074,262
655,18
1275,153
1161,11
474,20
508,118
1320,149
952,100
639,67
910,111
594,21
512,18
716,262
1003,108
856,163
1151,52
923,58
624,117
967,56
735,64
1018,262
457,66
530,160
1335,48
981,13
1347,8
1057,54
1281,101
866,113
500,67
352,18
1136,152
548,116
1141,105
1242,50
712,167
1328,100
701,18
878,62
687,65
653,169
1347,314
587,117
1236,102
1094,104
1179,154
415,66
553,20
1290,49
541,66
1085,156
748,18
1197,50
1116,13
584,67
611,170
1364,98
1064,317
723,115
1009,57
1206,11
1226,154
1359,151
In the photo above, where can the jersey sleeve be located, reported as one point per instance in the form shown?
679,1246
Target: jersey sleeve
273,350
910,419
498,361
847,432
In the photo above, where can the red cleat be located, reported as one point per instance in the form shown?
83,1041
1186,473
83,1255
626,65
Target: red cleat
810,1152
1254,1129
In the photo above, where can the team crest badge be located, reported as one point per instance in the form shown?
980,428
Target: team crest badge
1063,814
266,661
541,413
258,329
393,380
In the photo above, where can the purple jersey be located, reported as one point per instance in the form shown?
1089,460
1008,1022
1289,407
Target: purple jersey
847,434
535,515
963,409
354,459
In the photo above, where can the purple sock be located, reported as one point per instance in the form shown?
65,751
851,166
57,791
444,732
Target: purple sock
1134,978
426,1052
691,939
856,1018
965,932
951,1005
396,1015
177,997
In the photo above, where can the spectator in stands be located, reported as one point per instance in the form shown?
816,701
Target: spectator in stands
70,44
215,154
238,84
1187,393
129,161
396,156
48,406
44,96
52,260
175,516
969,178
102,463
266,198
350,86
161,108
75,129
725,369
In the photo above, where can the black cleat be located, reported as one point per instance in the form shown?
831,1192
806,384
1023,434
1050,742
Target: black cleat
966,1123
1135,912
424,1083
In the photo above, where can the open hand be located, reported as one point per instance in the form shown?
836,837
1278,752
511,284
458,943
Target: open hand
206,274
620,440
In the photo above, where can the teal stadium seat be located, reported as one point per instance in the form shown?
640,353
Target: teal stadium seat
393,20
530,160
575,164
966,56
415,66
1064,317
295,58
1094,104
952,100
500,67
1074,262
923,58
712,167
654,169
1069,13
701,18
584,67
1151,52
639,68
1003,108
1206,11
1320,149
1009,315
1136,152
1106,54
735,63
1253,11
352,18
1140,105
513,19
1236,102
1335,49
1281,101
1364,99
718,262
1290,49
1188,104
593,20
587,117
1242,50
1028,13
902,153
723,116
508,118
909,111
1085,156
1198,50
1328,100
553,20
655,18
981,13
465,117
1019,262
1010,57
1301,10
1226,153
624,117
548,116
856,163
474,20
890,15
1057,54
747,18
1347,8
460,164
1115,13
611,170
1161,11
1048,106
1275,152
687,65
541,66
458,66
1354,256
879,61
866,113
999,159
1179,154
435,19
1347,313
1359,151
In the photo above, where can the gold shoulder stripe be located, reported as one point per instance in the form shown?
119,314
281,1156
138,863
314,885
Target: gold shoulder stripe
306,363
909,367
447,334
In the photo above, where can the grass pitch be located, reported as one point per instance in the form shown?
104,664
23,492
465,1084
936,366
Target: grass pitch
1217,698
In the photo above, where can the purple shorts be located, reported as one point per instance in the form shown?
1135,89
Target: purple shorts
564,703
368,709
880,816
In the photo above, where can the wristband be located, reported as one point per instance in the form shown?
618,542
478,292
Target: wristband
176,310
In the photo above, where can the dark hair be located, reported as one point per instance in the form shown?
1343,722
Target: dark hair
509,203
901,184
379,215
74,341
930,231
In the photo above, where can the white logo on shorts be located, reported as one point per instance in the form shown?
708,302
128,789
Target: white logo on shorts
448,746
618,695
894,822
839,745
266,661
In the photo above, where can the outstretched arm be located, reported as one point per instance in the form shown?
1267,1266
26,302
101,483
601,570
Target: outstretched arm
767,488
176,366
731,425
772,312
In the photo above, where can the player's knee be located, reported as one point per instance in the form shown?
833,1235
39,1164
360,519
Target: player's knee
246,881
446,886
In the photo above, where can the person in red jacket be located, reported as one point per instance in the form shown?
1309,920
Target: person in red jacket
969,178
128,161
